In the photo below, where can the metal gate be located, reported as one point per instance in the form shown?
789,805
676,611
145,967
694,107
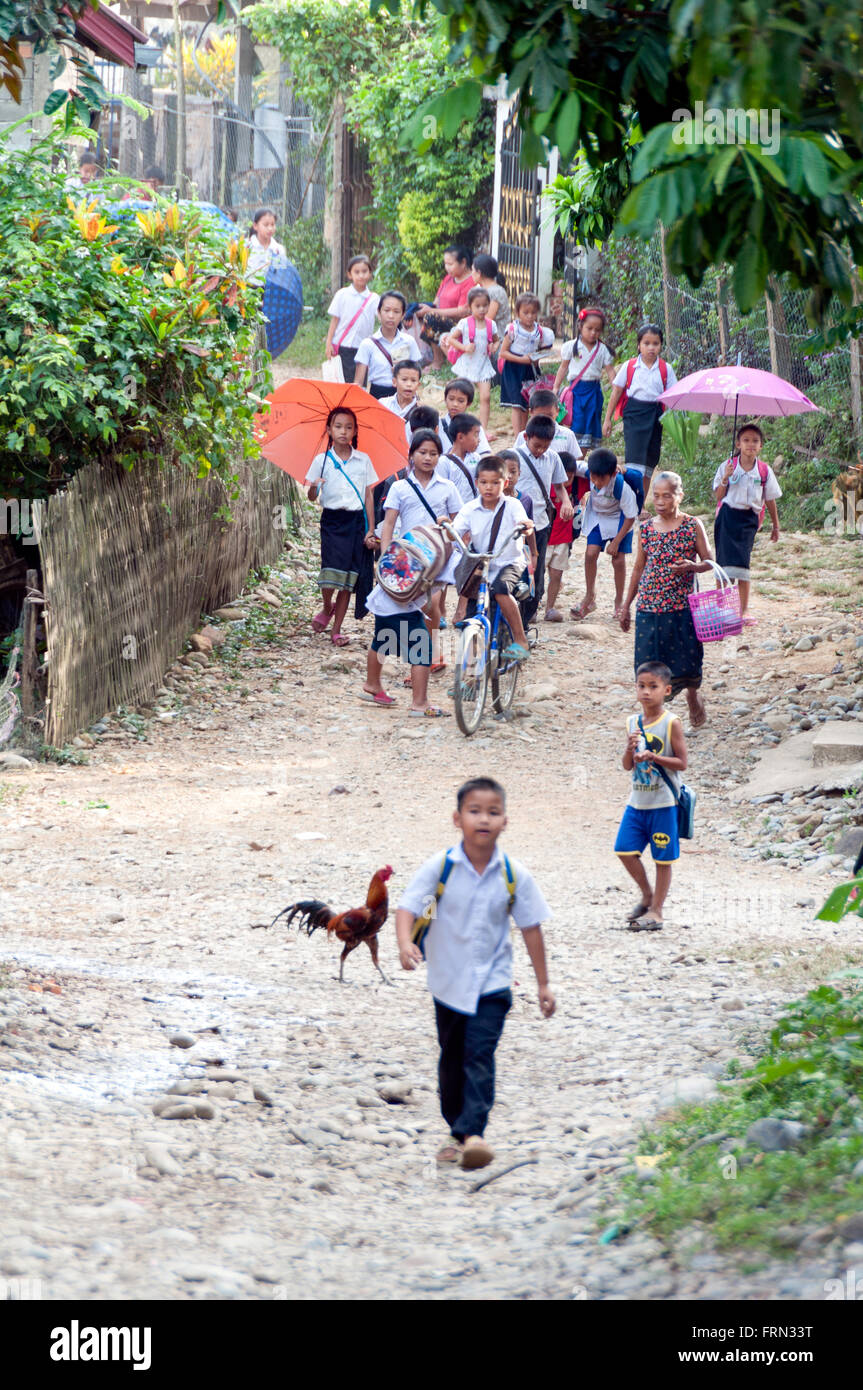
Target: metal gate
518,239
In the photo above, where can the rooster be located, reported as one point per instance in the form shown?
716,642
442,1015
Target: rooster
358,925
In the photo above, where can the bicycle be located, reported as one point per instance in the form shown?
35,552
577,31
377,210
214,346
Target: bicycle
480,655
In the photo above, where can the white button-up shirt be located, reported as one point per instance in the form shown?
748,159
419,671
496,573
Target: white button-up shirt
468,947
564,442
336,492
745,490
478,520
647,384
551,470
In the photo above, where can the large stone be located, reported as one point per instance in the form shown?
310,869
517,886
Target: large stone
772,1135
230,615
850,842
837,742
199,643
687,1090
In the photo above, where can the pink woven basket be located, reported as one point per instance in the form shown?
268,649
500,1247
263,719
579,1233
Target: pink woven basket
716,612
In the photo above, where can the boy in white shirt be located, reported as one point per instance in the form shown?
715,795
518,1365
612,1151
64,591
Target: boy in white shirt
352,315
610,512
379,355
541,469
455,912
458,397
545,403
406,380
460,464
475,524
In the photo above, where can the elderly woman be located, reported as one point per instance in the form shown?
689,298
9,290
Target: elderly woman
450,303
672,549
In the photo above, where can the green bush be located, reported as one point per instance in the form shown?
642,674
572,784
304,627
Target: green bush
123,335
427,224
304,242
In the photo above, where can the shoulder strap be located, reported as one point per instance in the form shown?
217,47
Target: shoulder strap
576,379
337,463
380,347
549,505
630,371
424,921
661,770
495,526
353,321
663,371
429,509
454,458
509,880
617,492
763,472
471,328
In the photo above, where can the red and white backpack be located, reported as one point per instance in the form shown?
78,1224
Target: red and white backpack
630,373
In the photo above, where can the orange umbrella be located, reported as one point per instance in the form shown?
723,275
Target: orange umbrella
295,428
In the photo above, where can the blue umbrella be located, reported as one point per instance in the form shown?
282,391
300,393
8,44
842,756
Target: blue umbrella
282,306
222,220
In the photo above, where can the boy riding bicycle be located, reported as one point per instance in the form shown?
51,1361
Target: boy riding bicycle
479,523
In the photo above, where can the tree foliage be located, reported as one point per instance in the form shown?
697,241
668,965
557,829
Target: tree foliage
123,335
384,67
589,75
45,25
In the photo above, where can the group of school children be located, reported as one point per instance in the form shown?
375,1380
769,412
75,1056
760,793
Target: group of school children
557,482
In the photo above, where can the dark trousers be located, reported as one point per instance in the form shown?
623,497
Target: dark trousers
529,606
466,1066
348,356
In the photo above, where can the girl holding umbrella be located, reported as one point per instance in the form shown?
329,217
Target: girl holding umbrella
743,487
672,549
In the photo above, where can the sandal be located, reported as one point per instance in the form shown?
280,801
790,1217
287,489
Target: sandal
645,924
515,652
339,639
430,712
321,621
476,1153
553,616
638,911
437,667
450,1152
583,609
380,698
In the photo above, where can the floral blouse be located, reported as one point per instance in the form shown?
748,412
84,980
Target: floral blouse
659,590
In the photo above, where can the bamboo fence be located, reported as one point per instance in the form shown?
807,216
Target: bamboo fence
130,560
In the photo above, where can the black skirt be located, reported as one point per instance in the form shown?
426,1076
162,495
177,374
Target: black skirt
342,548
670,638
734,532
642,434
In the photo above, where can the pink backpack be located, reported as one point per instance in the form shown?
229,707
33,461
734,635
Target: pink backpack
763,475
455,353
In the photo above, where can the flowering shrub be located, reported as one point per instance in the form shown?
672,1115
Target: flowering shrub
124,335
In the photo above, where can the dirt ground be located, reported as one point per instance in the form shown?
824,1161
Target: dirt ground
134,890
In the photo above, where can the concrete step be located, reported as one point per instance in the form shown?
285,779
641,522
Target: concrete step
837,741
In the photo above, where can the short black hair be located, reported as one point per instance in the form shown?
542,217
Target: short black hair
540,427
603,462
568,460
423,417
155,171
479,784
749,425
650,328
460,383
654,668
541,398
88,157
461,424
423,437
407,362
492,463
393,294
358,260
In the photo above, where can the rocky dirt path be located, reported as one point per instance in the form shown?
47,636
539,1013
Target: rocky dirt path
304,1165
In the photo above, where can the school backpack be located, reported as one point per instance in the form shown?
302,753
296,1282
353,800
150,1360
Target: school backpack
763,473
542,346
410,565
419,931
630,373
454,354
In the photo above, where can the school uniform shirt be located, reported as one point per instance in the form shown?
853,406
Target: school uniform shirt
392,403
576,354
402,348
262,257
468,949
483,447
602,508
745,490
336,492
477,519
448,468
551,470
344,305
528,342
564,442
647,384
441,495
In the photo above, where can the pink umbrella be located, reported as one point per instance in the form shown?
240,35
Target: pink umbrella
722,390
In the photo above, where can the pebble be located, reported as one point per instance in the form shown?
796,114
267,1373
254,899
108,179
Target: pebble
183,1040
772,1135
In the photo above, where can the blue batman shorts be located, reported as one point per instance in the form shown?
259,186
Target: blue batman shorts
658,828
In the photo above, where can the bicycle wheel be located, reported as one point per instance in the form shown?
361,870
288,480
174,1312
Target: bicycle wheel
471,678
505,674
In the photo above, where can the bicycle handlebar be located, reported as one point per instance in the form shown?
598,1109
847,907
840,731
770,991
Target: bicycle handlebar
476,555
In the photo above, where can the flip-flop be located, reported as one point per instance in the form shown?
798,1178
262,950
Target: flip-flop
582,610
321,621
339,639
476,1153
450,1152
437,667
749,622
430,712
638,911
644,924
381,698
553,616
